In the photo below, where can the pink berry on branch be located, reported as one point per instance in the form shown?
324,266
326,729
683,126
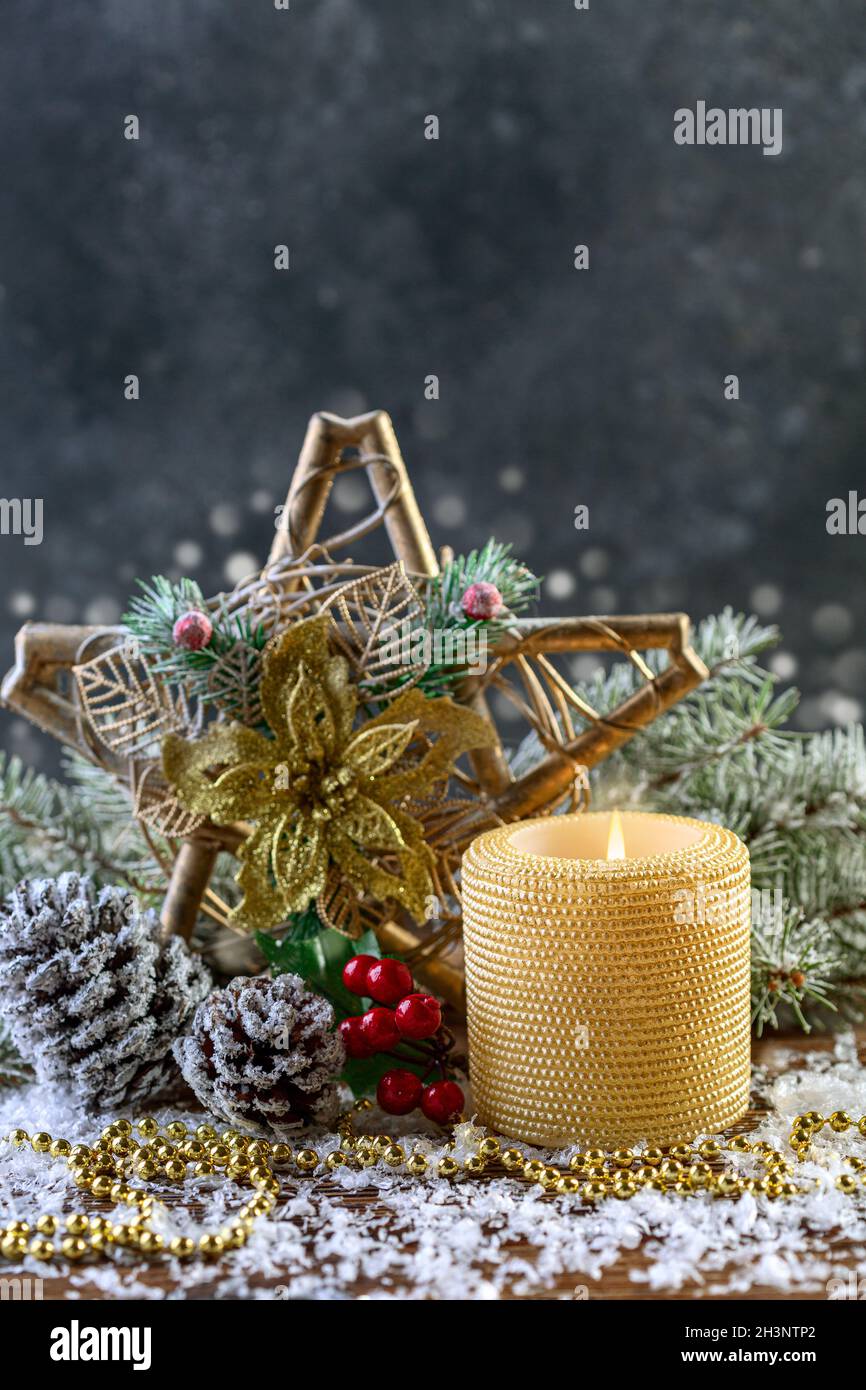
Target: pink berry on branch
399,1091
192,631
482,601
388,981
418,1016
442,1102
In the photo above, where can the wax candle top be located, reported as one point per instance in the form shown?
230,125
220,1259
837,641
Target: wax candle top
607,838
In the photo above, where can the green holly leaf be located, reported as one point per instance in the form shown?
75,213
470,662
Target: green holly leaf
319,961
303,925
363,1074
290,956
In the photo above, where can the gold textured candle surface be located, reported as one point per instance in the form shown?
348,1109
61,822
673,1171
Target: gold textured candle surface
608,999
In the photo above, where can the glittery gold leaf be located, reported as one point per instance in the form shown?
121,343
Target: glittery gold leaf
344,909
233,684
378,615
326,800
128,706
156,804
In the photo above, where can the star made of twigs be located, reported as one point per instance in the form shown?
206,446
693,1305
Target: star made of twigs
304,576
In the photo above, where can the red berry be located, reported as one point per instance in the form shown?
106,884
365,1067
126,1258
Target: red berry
379,1029
399,1091
355,973
388,981
418,1016
482,601
353,1041
442,1101
192,631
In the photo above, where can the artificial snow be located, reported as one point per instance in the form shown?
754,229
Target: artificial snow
429,1238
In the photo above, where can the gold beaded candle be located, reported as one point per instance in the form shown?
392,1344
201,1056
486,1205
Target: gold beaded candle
607,978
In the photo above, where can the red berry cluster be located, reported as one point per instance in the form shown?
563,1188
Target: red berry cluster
403,1018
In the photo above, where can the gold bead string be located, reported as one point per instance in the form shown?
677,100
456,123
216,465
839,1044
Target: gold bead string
108,1171
594,1174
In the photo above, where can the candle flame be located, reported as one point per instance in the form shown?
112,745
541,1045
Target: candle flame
616,839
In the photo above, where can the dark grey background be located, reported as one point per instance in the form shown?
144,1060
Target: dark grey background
454,257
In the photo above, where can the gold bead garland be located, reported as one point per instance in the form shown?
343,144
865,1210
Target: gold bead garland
107,1169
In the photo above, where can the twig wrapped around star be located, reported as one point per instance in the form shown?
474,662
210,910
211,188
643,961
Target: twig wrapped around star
328,792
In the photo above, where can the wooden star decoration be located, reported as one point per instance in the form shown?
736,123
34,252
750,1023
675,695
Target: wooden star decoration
66,679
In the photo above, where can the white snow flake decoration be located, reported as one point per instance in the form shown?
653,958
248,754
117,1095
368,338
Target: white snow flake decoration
484,1240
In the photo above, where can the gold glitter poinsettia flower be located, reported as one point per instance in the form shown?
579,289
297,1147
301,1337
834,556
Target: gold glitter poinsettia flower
323,794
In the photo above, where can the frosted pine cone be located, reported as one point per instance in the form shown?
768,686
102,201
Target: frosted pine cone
262,1054
91,996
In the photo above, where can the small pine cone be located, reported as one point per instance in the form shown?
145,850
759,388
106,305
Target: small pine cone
90,994
262,1055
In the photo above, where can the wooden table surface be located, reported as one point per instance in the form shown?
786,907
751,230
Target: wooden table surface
614,1284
